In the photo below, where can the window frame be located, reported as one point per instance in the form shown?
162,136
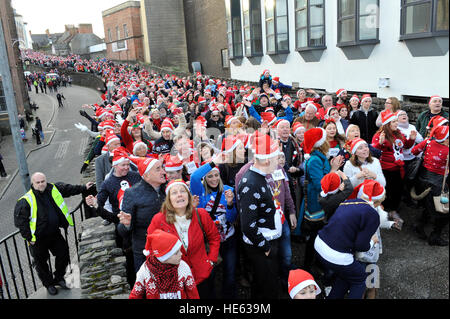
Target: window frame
229,21
125,31
110,35
357,16
118,33
433,20
308,28
251,26
276,51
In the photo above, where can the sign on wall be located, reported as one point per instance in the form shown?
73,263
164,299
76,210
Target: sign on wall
119,46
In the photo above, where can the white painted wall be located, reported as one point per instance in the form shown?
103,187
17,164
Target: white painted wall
420,76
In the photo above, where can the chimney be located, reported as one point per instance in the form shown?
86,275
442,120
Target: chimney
85,28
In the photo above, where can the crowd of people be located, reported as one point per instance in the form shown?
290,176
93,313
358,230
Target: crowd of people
195,172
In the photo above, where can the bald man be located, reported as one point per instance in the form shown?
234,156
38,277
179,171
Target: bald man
45,205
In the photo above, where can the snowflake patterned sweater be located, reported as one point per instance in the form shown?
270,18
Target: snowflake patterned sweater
260,219
435,157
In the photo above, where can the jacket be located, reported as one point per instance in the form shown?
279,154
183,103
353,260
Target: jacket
366,122
331,202
22,210
195,255
102,167
142,202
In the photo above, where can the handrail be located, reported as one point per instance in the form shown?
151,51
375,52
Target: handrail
15,273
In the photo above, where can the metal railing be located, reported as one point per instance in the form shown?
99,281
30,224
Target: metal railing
18,277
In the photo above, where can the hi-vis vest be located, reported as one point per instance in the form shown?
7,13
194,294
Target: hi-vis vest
59,200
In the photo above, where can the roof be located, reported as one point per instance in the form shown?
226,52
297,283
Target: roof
81,42
40,39
122,6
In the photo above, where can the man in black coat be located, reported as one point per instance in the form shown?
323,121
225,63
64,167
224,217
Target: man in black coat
366,118
44,203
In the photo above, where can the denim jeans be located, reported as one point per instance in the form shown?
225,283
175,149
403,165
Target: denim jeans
285,252
228,252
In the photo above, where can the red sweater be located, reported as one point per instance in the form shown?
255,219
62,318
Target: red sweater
127,139
195,256
392,158
435,157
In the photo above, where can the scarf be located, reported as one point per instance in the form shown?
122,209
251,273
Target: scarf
166,275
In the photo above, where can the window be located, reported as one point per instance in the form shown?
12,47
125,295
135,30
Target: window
118,33
109,35
277,26
225,61
234,36
310,23
251,10
125,31
357,21
424,18
2,98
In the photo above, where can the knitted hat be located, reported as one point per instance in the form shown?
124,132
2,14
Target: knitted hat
137,144
230,143
340,91
355,97
365,96
173,164
440,133
299,279
435,121
357,142
167,124
162,244
269,117
314,138
434,97
297,127
264,147
387,116
119,156
176,182
330,184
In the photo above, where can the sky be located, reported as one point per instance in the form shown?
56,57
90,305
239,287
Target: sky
53,14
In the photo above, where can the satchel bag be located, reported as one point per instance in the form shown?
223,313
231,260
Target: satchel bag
415,165
205,238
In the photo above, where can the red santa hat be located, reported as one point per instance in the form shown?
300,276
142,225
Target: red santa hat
173,164
144,164
387,116
276,79
120,155
108,124
229,119
330,184
297,127
278,122
354,97
300,279
340,91
110,137
100,112
176,182
264,147
167,124
230,143
440,133
269,117
163,245
369,190
201,99
314,138
435,121
434,97
357,142
365,96
200,121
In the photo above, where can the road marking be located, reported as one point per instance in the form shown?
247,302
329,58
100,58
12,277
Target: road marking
62,150
83,144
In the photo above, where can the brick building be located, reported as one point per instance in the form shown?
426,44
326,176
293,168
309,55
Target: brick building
123,32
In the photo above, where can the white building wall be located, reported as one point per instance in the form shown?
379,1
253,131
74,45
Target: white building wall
418,76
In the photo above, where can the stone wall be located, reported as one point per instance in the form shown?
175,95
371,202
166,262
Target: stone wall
102,264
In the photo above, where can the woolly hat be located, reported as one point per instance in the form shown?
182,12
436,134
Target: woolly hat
269,117
120,155
173,164
176,182
137,144
365,96
436,121
314,138
299,279
264,147
167,124
440,133
370,189
340,91
230,143
357,142
144,164
162,244
387,116
434,97
297,127
330,184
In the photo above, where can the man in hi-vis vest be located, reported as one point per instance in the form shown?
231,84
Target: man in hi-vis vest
39,214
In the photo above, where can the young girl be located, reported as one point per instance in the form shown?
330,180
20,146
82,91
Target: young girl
336,140
301,285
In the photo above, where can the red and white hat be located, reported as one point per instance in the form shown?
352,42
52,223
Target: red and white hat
176,182
357,142
300,279
278,122
440,133
369,189
340,91
434,97
269,117
264,147
387,116
297,127
330,184
200,121
145,164
365,96
229,119
167,124
163,245
173,164
435,121
110,137
354,97
230,143
314,138
120,155
108,125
